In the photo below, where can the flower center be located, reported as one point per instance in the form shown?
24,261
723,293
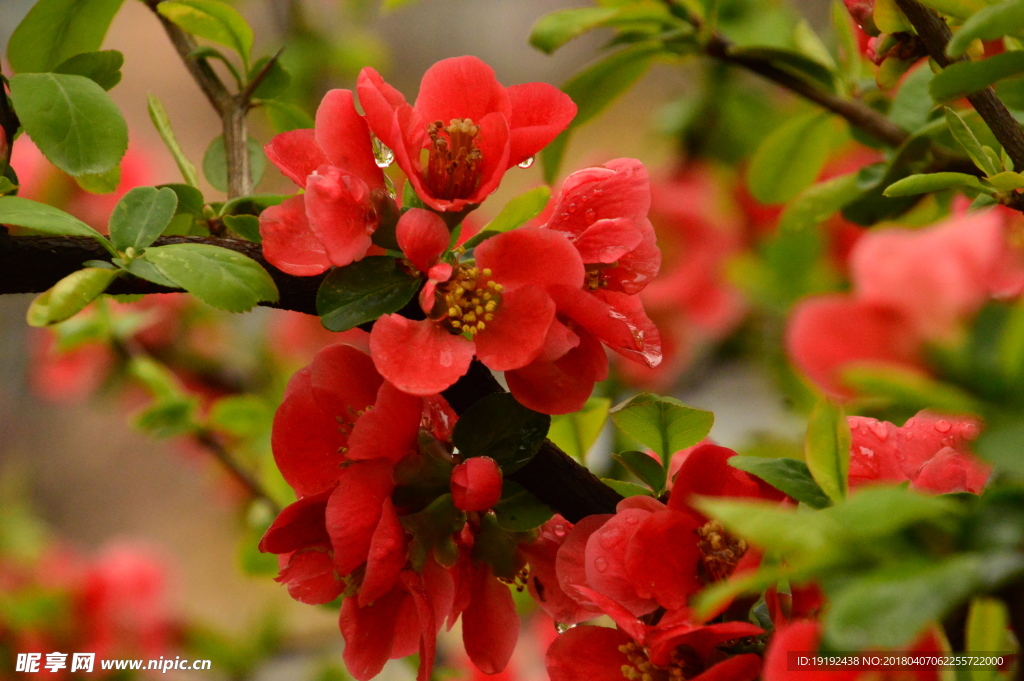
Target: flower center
453,163
595,278
469,303
519,581
640,667
720,551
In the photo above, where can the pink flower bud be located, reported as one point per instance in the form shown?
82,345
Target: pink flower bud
476,484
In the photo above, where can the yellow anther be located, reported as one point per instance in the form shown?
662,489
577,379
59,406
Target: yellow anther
490,306
479,310
499,288
488,317
487,272
454,311
480,326
456,323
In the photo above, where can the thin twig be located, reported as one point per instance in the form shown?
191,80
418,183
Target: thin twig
252,486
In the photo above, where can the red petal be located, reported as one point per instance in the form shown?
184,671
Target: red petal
640,266
490,625
345,138
476,484
296,154
570,562
543,580
539,113
797,637
616,318
516,335
619,189
530,255
441,358
562,386
702,638
423,237
425,615
370,633
662,559
354,510
298,526
289,243
705,470
340,214
461,87
827,333
387,556
606,562
310,577
388,431
607,240
740,668
380,102
590,653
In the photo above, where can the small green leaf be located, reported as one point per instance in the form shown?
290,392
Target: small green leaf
594,88
910,389
912,106
964,135
994,21
818,202
1007,181
285,116
168,417
516,212
363,291
987,626
44,218
219,277
557,28
69,296
888,17
241,415
190,199
789,476
213,20
935,182
770,526
645,467
664,424
1002,443
827,449
274,83
963,78
245,226
888,608
792,157
145,270
520,511
577,432
499,427
849,50
72,120
215,163
102,67
958,9
103,183
162,123
54,30
141,216
627,489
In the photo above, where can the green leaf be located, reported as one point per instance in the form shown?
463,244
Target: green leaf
827,448
935,182
241,415
627,489
72,120
888,608
958,9
645,467
219,277
245,226
910,389
557,28
190,199
69,296
594,88
285,116
54,30
789,476
44,218
145,270
1007,181
102,67
432,530
103,183
818,202
141,216
215,163
168,417
162,123
213,20
1002,443
889,18
363,291
963,78
499,427
967,140
664,424
767,525
519,210
849,52
912,106
274,83
987,625
577,432
518,510
994,21
792,157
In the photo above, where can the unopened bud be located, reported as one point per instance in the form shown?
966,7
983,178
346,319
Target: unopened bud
476,484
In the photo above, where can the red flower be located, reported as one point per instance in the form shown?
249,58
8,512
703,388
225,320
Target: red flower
931,451
331,223
499,308
476,484
472,127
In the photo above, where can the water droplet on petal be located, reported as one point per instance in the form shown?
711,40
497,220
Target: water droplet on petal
590,215
526,163
601,564
943,426
559,530
632,520
969,431
389,187
562,627
381,153
880,431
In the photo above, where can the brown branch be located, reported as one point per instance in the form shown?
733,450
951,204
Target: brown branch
33,264
935,35
252,486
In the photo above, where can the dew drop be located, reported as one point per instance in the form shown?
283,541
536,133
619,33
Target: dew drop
389,187
969,431
601,564
382,154
559,530
562,627
632,520
590,215
526,163
880,431
943,426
